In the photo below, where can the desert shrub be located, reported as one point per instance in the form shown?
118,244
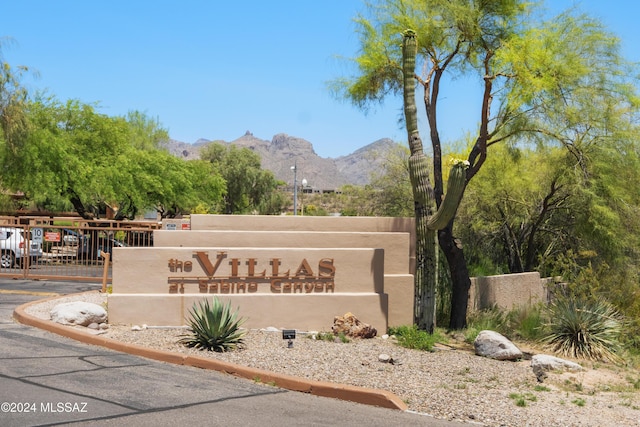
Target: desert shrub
413,338
528,322
492,319
213,327
584,328
331,337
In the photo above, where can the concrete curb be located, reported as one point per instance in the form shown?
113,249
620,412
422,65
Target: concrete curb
362,395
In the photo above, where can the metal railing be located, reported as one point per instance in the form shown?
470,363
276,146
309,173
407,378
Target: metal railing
66,248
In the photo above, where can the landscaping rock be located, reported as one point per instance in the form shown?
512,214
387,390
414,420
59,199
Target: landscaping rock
384,358
493,345
78,313
352,327
545,362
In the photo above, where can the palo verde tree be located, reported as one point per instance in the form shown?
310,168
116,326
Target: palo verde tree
526,68
248,186
520,210
173,186
71,154
13,99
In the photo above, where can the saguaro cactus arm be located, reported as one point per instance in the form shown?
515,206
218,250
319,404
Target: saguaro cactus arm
455,189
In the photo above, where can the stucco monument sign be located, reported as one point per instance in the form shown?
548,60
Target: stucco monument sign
298,278
280,287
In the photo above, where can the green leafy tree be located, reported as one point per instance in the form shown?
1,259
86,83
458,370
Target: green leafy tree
356,200
13,123
161,181
249,188
519,213
533,76
13,98
92,161
146,133
173,186
391,184
75,152
274,202
531,209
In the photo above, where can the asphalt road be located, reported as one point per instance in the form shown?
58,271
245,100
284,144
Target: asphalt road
48,380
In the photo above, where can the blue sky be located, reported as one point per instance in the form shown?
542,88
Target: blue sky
214,70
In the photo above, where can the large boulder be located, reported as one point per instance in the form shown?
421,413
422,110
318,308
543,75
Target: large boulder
351,326
542,363
78,313
496,346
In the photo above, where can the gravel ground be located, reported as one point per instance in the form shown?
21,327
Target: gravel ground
450,383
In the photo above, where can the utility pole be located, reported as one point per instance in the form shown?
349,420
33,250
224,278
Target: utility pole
294,168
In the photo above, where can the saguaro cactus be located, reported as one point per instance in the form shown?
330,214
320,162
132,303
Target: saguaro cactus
426,222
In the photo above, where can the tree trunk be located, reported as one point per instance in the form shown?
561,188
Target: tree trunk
78,205
460,282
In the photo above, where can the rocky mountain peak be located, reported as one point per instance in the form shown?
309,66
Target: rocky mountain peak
290,145
285,151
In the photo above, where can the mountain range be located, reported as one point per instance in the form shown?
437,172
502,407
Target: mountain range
284,152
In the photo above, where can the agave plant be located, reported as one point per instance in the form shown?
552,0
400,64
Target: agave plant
584,328
214,327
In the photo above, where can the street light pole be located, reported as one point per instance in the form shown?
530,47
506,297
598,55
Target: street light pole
304,185
294,168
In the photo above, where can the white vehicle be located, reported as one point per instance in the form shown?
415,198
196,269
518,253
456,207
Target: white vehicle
13,247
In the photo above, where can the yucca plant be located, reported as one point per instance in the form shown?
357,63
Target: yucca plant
213,327
588,329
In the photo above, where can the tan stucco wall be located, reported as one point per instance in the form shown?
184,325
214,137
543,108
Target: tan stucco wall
301,223
506,291
400,289
308,223
143,291
145,270
395,245
313,312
